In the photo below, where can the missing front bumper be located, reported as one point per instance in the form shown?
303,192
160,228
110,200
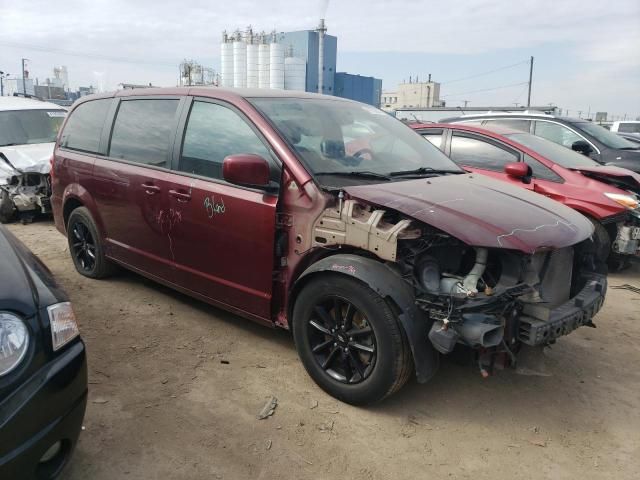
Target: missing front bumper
539,325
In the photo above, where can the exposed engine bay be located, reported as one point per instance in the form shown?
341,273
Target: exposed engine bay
23,193
627,240
494,300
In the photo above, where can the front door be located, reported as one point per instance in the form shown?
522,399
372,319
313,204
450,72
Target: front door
130,190
222,235
486,156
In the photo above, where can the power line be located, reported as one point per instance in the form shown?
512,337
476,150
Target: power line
96,56
485,73
485,89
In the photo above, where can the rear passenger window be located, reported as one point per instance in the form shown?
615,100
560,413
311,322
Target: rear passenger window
474,152
213,133
84,127
143,130
556,133
516,124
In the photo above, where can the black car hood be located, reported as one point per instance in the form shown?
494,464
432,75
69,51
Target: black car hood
26,284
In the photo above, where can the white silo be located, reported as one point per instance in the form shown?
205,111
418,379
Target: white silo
263,65
276,66
295,74
226,62
239,63
252,65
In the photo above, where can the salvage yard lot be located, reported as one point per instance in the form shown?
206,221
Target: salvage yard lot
175,386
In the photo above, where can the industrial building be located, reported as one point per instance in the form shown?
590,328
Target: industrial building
302,60
414,94
358,87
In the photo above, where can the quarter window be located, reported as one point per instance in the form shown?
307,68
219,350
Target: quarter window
556,133
473,152
84,127
434,137
540,171
213,133
142,131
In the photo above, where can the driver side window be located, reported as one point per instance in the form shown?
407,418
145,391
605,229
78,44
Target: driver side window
214,132
474,152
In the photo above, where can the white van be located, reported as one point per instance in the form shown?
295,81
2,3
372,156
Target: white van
627,126
28,131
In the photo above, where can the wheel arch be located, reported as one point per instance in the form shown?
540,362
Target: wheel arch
386,282
75,196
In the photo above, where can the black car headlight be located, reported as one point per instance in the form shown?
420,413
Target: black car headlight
14,341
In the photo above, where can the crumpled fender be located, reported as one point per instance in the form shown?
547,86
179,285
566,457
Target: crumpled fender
388,284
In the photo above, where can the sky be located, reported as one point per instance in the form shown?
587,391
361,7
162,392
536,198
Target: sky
587,52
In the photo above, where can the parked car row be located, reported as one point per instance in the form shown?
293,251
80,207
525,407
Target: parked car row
379,250
583,136
326,217
607,195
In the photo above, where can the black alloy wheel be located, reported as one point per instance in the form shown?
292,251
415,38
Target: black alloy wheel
349,339
87,252
83,246
341,339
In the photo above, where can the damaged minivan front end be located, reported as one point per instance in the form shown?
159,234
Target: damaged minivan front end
484,276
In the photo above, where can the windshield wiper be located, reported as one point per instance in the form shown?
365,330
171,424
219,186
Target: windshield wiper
357,173
423,171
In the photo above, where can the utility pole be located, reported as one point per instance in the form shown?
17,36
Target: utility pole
24,82
2,77
465,103
530,78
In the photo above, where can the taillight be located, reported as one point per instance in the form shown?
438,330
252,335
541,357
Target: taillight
51,162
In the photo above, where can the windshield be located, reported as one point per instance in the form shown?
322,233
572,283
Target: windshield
21,127
335,137
563,156
603,135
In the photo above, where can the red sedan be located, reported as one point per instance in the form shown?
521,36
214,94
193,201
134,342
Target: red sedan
607,195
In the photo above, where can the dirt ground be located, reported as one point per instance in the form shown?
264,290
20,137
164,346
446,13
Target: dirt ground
175,386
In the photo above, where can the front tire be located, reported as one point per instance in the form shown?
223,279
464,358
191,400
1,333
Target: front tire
7,209
85,246
349,340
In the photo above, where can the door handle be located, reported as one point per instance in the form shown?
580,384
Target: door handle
150,188
181,196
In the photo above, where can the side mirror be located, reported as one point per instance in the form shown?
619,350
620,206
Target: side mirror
517,169
246,169
582,147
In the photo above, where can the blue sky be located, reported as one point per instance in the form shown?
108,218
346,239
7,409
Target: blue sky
587,52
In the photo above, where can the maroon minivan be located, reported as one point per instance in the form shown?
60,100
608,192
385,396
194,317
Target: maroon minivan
377,258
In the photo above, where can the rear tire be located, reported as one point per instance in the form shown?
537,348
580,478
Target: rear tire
351,365
7,209
85,246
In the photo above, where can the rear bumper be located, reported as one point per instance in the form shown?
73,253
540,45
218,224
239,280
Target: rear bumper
47,408
539,326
